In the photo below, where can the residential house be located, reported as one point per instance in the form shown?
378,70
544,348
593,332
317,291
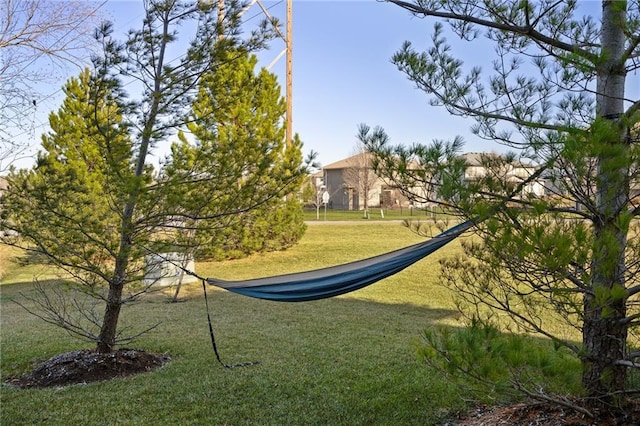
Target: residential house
352,185
343,194
348,180
479,164
3,185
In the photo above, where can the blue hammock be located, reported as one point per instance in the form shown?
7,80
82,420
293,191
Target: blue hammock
336,280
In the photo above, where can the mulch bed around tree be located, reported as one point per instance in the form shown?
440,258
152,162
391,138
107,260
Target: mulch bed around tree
544,414
85,366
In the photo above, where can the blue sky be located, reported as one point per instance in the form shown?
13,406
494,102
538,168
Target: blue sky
343,75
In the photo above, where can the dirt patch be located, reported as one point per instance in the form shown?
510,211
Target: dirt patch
85,366
545,414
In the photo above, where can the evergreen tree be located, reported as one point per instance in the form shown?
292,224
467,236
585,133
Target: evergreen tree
574,122
66,206
237,140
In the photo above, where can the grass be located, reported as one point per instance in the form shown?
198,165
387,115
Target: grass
14,270
374,214
342,361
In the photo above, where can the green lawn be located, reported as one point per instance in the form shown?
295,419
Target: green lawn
374,214
349,360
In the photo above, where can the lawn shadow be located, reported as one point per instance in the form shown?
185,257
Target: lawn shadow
12,289
327,325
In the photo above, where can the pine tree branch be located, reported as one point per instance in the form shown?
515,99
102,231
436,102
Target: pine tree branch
541,396
524,31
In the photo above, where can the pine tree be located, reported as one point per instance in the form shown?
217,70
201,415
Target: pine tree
566,112
66,205
236,139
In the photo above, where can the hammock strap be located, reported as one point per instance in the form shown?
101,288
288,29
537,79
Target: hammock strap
213,339
206,301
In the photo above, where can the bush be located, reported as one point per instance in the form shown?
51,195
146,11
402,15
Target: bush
488,364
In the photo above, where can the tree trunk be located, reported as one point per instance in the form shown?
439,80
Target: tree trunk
604,338
183,264
107,337
604,333
108,331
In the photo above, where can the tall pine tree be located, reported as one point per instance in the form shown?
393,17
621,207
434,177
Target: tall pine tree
237,140
66,206
568,112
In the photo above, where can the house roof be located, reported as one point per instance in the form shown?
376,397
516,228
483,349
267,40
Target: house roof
480,158
472,159
347,162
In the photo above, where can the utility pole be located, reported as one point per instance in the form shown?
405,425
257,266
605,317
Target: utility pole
288,51
220,11
289,72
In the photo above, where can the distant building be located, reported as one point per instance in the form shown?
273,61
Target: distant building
342,195
350,181
3,185
479,163
345,181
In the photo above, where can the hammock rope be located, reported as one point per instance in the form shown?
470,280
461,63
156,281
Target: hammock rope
213,339
206,303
